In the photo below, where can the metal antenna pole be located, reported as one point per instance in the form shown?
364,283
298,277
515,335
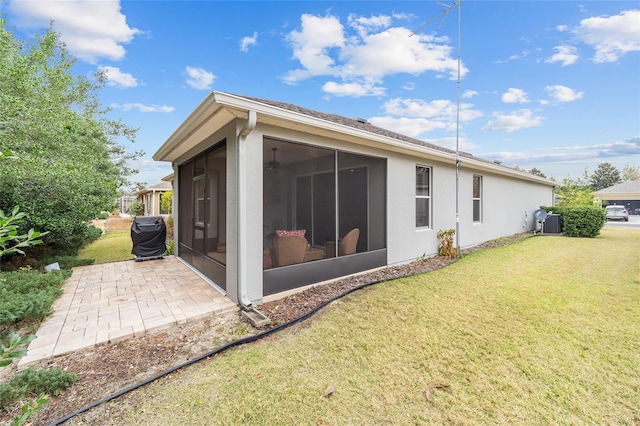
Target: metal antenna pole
445,12
458,142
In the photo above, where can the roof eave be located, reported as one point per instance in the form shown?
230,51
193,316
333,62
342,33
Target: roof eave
238,106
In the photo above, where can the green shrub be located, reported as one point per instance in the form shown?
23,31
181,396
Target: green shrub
28,294
93,233
32,381
103,215
65,262
169,249
136,209
580,221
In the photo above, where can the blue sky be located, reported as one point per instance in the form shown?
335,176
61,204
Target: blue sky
548,84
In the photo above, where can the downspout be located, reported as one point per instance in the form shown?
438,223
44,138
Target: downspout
241,196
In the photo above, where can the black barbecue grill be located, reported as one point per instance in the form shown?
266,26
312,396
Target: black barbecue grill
149,235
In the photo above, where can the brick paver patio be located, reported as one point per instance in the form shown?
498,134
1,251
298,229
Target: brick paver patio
113,301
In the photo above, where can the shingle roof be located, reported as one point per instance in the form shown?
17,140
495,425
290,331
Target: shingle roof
159,186
630,186
359,124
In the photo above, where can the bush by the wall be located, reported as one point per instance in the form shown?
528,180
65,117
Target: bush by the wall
580,221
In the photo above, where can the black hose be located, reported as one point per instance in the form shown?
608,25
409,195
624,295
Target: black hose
216,351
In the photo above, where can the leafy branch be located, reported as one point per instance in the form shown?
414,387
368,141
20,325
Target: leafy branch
11,241
15,349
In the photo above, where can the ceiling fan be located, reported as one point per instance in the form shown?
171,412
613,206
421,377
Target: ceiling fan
273,164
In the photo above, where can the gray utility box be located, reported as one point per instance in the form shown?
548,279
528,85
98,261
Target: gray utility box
553,224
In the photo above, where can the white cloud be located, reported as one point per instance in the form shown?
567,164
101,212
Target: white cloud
311,46
415,117
199,78
514,57
567,55
248,41
142,107
324,47
408,126
393,51
354,89
469,94
517,120
365,25
117,78
439,110
409,86
611,36
563,93
580,154
463,143
513,96
90,29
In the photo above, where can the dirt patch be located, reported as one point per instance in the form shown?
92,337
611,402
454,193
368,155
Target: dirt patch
110,367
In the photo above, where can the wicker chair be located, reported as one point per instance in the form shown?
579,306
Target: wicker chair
346,245
288,250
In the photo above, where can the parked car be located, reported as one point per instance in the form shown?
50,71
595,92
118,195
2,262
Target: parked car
617,213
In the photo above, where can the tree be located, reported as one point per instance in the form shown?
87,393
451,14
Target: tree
630,173
166,202
11,241
574,192
68,164
136,209
535,171
606,175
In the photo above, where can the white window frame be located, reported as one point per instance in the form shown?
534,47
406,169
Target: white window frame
419,169
477,198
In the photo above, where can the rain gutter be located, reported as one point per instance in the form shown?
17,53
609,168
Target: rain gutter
243,298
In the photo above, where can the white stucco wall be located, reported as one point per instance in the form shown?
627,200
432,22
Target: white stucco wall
505,201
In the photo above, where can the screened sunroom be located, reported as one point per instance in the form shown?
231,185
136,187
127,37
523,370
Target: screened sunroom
324,213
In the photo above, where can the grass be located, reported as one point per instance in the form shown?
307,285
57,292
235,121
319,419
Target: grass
113,246
546,331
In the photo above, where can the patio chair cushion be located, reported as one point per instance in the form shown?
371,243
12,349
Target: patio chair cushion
288,250
284,232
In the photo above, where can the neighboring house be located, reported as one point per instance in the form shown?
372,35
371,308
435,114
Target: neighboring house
151,198
626,194
125,202
264,190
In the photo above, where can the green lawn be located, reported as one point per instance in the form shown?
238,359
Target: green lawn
544,332
111,247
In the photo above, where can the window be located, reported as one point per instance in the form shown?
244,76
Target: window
423,196
477,198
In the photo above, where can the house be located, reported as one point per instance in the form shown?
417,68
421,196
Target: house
124,203
271,196
151,198
625,193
